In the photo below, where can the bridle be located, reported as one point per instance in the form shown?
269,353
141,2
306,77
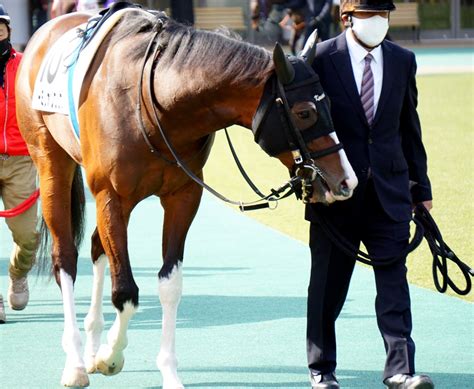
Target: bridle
304,160
305,171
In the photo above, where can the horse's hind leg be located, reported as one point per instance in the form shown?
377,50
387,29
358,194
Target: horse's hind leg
112,219
56,171
180,209
94,321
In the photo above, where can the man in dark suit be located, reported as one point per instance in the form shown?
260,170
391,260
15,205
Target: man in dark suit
371,84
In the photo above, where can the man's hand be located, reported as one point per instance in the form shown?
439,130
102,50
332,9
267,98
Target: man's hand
428,204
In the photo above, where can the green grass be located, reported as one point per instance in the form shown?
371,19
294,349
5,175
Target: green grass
436,15
446,110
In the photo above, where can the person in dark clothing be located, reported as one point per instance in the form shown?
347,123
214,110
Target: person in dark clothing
39,13
295,21
182,11
266,16
371,84
318,16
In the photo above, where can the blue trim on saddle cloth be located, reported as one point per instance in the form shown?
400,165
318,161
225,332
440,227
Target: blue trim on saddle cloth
89,31
70,78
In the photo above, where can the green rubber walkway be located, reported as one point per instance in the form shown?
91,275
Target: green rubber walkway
242,316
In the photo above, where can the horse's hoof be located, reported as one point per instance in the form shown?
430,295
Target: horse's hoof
90,364
108,362
171,380
172,385
76,377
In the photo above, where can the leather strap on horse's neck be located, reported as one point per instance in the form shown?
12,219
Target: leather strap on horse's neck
157,30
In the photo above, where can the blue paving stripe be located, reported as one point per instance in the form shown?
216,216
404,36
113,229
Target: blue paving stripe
242,317
455,56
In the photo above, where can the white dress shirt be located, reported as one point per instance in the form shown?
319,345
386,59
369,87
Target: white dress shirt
357,54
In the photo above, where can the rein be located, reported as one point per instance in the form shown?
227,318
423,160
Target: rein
263,202
425,227
441,253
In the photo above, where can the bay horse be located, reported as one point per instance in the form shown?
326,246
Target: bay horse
199,82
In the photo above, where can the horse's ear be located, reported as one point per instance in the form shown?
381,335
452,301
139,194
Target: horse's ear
309,51
284,69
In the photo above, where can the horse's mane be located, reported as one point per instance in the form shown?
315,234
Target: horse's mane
220,51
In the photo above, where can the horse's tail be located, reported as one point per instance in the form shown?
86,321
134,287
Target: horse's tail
78,206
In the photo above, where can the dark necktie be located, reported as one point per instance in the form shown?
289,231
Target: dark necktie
367,90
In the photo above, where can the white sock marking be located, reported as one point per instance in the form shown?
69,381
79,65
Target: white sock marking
170,290
94,321
71,340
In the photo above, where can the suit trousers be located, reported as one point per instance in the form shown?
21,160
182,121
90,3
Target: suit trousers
360,219
17,183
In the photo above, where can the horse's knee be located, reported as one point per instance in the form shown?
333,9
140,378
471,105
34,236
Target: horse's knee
96,246
65,259
123,293
171,284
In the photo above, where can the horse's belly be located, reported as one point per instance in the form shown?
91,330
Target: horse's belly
60,129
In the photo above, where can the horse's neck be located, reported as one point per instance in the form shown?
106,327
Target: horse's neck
203,100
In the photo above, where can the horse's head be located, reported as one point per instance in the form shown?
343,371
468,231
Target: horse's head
293,123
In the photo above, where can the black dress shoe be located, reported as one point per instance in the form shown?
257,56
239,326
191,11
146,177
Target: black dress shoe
405,381
324,381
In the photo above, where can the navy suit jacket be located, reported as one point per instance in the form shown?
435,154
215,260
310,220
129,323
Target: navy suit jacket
392,148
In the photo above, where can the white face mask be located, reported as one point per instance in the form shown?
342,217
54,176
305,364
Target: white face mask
370,31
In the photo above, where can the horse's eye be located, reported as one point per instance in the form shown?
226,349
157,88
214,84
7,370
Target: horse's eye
303,114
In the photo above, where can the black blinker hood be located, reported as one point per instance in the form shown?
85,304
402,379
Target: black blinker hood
267,123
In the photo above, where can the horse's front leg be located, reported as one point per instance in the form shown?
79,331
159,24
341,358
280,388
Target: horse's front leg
94,321
180,209
112,220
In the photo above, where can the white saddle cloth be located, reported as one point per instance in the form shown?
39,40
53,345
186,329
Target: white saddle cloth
59,80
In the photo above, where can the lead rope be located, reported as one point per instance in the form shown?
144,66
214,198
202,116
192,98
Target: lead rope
263,202
349,249
425,227
441,254
20,208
